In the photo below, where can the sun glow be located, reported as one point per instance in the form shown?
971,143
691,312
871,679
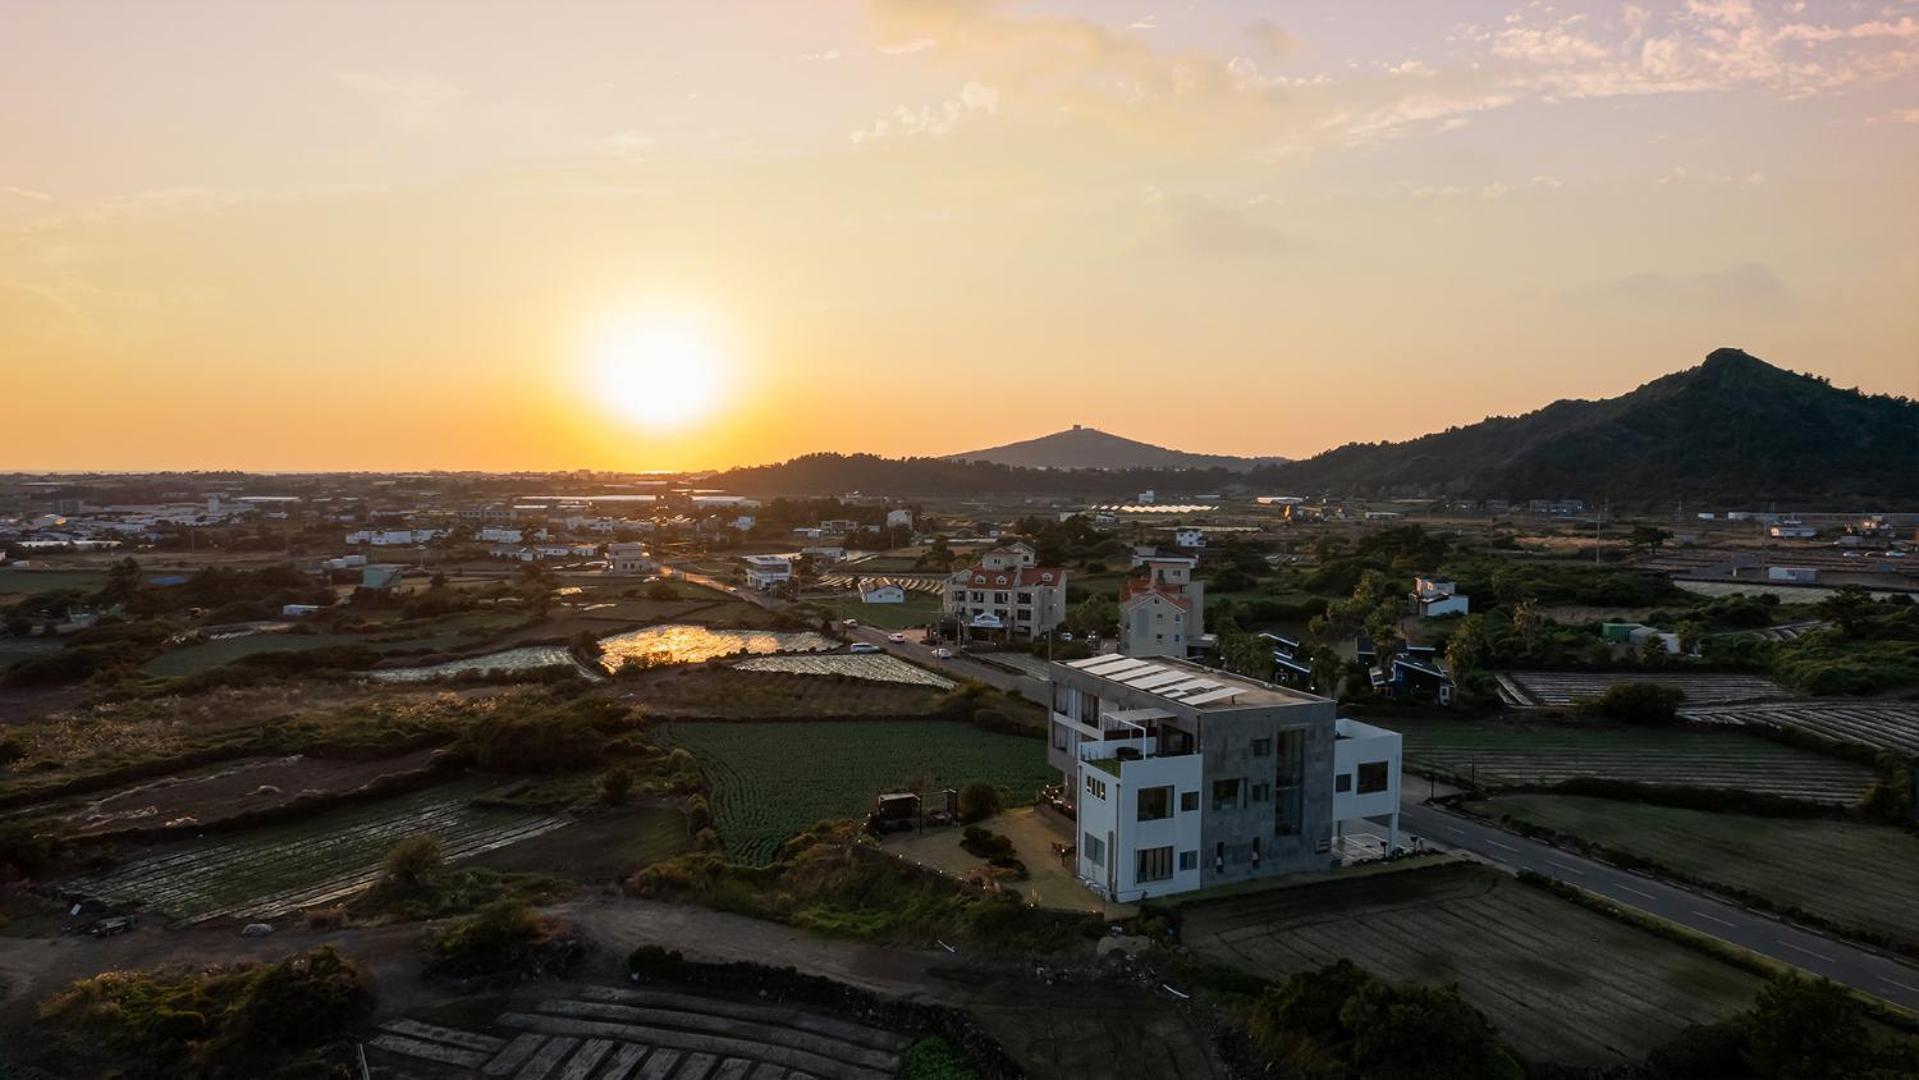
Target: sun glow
660,374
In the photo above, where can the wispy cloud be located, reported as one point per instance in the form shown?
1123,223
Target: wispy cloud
908,48
24,193
973,99
408,102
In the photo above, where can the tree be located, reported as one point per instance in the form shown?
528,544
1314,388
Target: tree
978,800
1648,537
1419,1032
1093,615
1640,702
615,785
123,581
1848,607
413,861
1801,1027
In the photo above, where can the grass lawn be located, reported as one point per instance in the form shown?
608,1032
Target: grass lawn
918,610
1847,873
1506,752
207,655
1561,983
771,780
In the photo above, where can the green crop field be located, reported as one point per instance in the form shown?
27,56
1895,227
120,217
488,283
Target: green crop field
13,580
919,609
771,780
1496,753
207,655
1850,874
1561,983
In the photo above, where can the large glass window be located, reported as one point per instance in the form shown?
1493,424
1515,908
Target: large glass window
1289,783
1155,864
1060,737
1089,709
1372,777
1062,699
1095,850
1155,803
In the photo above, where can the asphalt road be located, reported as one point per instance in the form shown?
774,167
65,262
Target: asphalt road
1869,971
911,649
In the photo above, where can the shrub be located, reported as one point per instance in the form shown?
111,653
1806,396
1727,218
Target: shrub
1340,1021
657,962
978,800
1640,703
491,936
26,850
937,1059
615,785
985,844
413,861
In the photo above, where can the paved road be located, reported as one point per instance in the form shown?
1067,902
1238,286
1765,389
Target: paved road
1031,689
1869,971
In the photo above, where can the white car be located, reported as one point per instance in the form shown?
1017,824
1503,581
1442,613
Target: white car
942,654
862,646
897,639
851,624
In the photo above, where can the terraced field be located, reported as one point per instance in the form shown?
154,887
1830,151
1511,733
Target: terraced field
271,871
610,1033
1561,983
1560,688
1889,725
1495,754
772,780
1848,873
869,666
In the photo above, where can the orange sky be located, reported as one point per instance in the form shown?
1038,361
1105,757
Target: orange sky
358,235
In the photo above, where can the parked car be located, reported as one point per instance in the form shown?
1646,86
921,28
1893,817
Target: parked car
862,646
897,639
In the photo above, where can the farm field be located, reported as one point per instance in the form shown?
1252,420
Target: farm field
1496,753
526,658
728,693
874,667
1562,984
1889,725
1121,1033
772,780
207,655
651,1034
276,869
1849,873
15,580
685,643
203,797
918,610
601,847
1560,688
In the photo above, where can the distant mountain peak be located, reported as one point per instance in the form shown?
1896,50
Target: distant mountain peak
1082,447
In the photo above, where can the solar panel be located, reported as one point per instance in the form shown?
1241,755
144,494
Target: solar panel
1215,695
1164,678
1134,678
1190,685
1117,667
1091,661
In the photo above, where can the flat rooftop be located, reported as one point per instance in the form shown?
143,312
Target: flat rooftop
1183,682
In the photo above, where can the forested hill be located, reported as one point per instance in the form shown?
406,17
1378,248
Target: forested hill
1732,431
1090,448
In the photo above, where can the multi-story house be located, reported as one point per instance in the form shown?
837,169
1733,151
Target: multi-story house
1007,593
1181,777
1433,597
766,571
1162,608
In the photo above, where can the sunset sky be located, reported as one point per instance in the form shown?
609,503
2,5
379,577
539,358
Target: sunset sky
411,234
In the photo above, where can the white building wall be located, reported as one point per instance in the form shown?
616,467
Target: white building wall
1114,821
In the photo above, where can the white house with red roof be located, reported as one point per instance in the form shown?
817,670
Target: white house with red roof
1008,593
1162,608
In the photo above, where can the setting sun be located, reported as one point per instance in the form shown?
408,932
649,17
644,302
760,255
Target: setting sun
660,374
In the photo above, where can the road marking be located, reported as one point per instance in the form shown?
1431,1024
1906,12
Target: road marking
1508,847
1568,869
1900,985
1712,918
1637,892
1808,952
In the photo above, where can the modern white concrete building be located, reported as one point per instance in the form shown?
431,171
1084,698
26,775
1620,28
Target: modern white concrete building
1181,777
1433,597
629,558
1365,778
766,571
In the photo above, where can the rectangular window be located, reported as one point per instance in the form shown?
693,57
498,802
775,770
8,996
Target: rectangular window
1372,777
1155,864
1188,801
1226,794
1155,803
1062,699
1343,782
1262,793
1095,788
1189,860
1262,748
1089,710
1060,739
1289,783
1095,850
